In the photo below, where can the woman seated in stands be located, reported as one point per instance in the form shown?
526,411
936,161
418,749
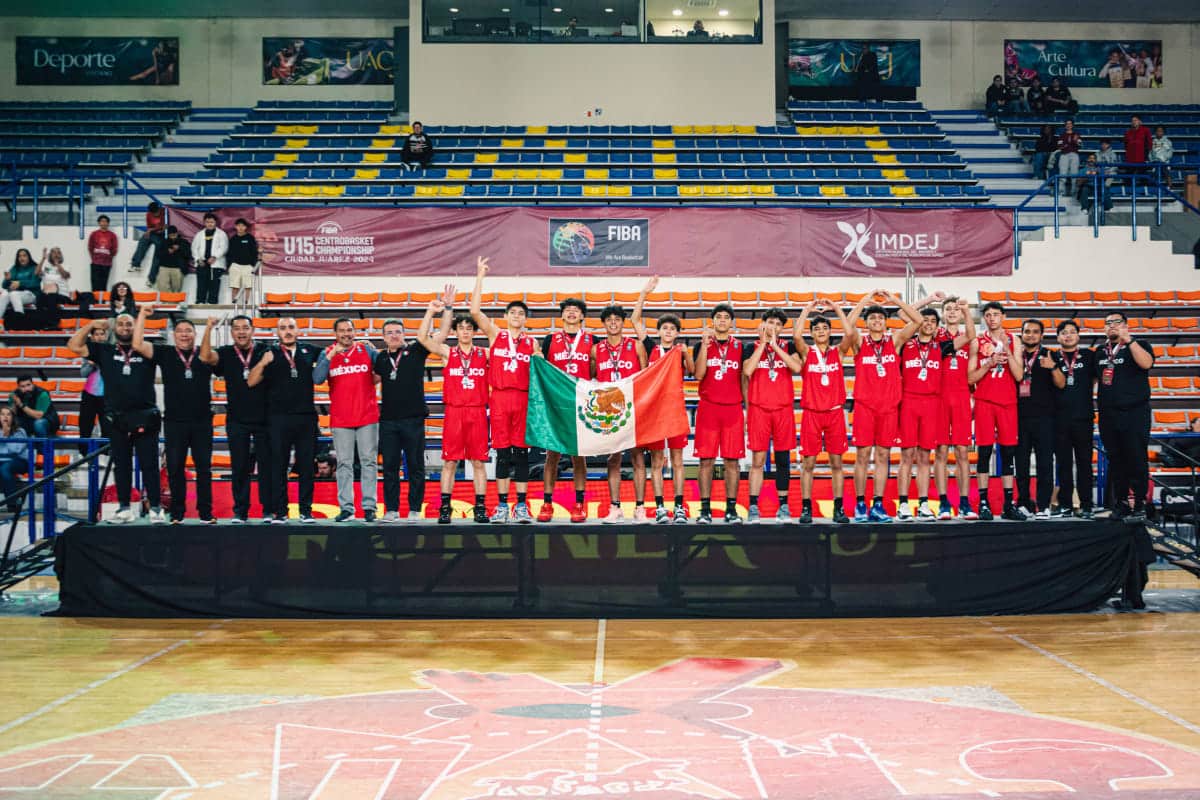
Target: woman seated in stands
20,284
56,280
120,300
13,457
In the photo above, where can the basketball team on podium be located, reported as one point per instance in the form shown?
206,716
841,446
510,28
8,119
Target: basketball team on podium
932,387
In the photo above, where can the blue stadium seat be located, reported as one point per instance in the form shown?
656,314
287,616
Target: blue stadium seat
571,191
618,174
879,191
666,191
810,190
643,190
785,190
856,191
481,174
523,190
403,191
735,174
379,191
510,158
499,190
475,190
531,158
547,190
187,190
356,190
238,190
712,174
688,174
573,174
926,190
643,174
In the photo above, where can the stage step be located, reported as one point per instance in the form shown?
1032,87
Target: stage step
1179,552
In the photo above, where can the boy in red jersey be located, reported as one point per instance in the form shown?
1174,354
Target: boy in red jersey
921,367
770,393
877,389
613,358
955,429
668,334
465,432
720,426
508,376
569,350
822,398
995,367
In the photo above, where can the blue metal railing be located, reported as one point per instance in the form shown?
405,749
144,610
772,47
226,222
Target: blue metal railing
77,188
127,179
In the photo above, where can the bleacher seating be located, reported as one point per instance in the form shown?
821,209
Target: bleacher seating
317,153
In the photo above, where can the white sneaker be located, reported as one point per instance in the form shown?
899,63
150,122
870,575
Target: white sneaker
1043,514
158,516
415,516
639,514
925,513
614,516
391,517
903,511
122,516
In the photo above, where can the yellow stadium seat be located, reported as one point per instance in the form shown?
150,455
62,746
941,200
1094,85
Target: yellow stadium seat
868,130
884,158
536,130
826,130
295,143
374,158
453,190
458,174
527,174
664,158
833,191
380,144
714,190
595,191
308,191
395,130
903,191
285,130
366,174
512,142
304,130
666,174
877,144
894,174
504,174
620,191
333,191
689,191
847,130
738,189
426,191
763,188
663,144
681,129
745,130
596,174
723,128
702,129
549,174
286,158
283,191
574,158
806,130
274,174
487,158
556,143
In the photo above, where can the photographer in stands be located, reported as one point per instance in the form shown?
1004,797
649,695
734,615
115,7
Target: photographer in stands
34,408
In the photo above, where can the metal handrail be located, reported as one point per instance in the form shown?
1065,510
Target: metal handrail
127,179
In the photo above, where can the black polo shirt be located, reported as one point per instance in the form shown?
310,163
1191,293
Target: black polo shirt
185,399
404,396
1130,383
132,392
287,394
244,404
1074,401
1040,401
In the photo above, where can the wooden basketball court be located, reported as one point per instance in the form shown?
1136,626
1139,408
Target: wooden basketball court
963,707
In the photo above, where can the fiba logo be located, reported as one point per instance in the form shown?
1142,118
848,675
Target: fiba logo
329,228
860,237
573,242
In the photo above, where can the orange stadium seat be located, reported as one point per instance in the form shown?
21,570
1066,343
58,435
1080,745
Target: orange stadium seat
658,299
800,298
1050,297
335,298
744,297
1020,297
364,298
772,298
1133,297
1170,418
831,297
64,354
1180,351
306,298
1189,296
1106,297
685,298
264,323
394,298
539,324
145,297
988,297
1077,297
626,298
38,354
322,324
1162,297
156,324
598,299
712,298
540,299
421,299
1175,385
1185,324
1151,323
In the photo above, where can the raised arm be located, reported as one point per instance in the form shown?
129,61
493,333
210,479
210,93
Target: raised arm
798,343
77,344
701,366
207,354
139,332
975,369
850,335
914,321
481,319
256,373
639,327
968,333
750,364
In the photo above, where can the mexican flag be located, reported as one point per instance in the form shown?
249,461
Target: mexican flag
591,418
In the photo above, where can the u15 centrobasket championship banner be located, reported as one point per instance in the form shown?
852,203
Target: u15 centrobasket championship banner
757,242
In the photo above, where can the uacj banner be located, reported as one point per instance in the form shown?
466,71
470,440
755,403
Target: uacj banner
1127,64
319,62
833,62
97,61
861,242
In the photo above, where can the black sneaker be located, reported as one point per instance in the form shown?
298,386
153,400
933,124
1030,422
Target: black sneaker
705,518
444,515
985,511
343,516
1013,514
1086,512
732,518
805,517
481,515
1137,515
1121,511
368,516
839,515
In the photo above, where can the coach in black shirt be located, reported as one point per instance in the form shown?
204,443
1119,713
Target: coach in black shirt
1123,397
1035,421
187,413
400,366
1074,380
129,406
286,371
245,415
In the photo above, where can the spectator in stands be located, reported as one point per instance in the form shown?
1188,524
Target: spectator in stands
14,459
155,224
1014,96
208,251
1106,157
172,264
995,100
1035,96
1058,98
1046,144
1087,188
34,408
1161,152
91,399
243,262
102,248
56,280
867,74
1123,399
418,148
697,31
572,27
1138,143
1069,143
120,300
20,285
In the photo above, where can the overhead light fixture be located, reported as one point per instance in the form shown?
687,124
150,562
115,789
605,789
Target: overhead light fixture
677,12
505,10
454,11
608,11
557,10
724,12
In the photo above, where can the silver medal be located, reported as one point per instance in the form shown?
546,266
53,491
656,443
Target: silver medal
187,374
923,374
392,377
1070,380
721,373
245,374
126,370
954,363
880,371
824,380
295,374
772,374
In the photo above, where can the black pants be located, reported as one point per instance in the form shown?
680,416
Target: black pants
100,277
208,284
403,437
1035,436
1073,448
1125,434
145,445
91,409
181,436
242,463
293,433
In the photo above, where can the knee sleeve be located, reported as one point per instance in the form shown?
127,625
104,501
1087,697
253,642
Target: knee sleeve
520,457
1008,453
783,470
985,458
503,461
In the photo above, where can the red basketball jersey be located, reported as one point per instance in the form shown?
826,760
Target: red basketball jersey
509,362
921,366
570,352
954,367
771,382
824,386
723,379
998,385
655,352
877,374
615,363
352,400
465,377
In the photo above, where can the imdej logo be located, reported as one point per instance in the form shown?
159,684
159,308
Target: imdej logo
887,245
574,242
860,237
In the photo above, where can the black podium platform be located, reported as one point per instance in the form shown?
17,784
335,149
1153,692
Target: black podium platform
466,570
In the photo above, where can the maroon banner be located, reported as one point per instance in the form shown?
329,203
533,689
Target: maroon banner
759,242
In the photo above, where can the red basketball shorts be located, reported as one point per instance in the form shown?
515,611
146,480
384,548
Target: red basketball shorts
995,424
508,407
829,426
956,420
771,426
465,434
921,421
720,431
875,426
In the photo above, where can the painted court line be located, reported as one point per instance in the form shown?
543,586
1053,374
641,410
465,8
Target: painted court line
598,668
1112,687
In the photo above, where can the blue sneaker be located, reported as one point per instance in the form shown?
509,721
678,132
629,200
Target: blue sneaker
878,514
860,512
